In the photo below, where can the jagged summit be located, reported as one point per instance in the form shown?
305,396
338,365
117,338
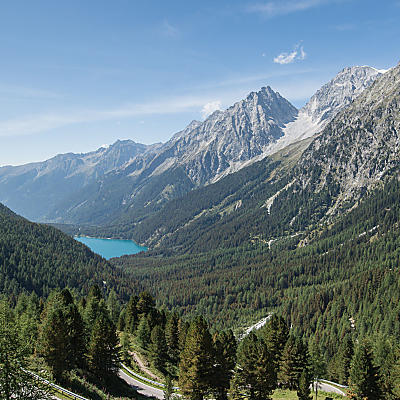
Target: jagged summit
226,139
347,85
128,176
333,97
361,146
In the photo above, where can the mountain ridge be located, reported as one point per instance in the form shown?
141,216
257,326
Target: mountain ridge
143,178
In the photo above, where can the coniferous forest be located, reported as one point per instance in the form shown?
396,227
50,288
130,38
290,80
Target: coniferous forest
334,306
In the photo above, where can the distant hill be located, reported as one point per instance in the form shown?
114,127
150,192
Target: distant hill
39,258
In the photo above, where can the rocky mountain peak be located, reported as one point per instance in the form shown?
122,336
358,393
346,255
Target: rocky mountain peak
338,93
325,104
360,146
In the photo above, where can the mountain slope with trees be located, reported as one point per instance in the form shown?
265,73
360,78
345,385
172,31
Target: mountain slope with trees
40,258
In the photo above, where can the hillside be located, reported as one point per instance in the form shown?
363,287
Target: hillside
350,270
40,258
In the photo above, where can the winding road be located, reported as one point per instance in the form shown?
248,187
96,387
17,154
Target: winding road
150,391
140,387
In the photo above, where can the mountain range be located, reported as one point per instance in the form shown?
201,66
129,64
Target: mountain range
308,231
128,182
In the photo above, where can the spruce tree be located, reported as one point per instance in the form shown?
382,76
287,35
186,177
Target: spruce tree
131,315
143,333
197,361
125,347
61,339
304,390
172,336
255,374
183,328
225,347
145,304
28,316
158,348
113,306
294,361
275,334
169,388
95,292
396,375
365,380
317,364
103,348
346,351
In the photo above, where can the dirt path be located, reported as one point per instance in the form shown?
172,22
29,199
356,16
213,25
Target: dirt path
142,366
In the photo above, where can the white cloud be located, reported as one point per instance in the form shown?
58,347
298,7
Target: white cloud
287,58
282,7
210,107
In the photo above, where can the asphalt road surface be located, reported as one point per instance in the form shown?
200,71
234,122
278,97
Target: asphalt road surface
150,391
140,387
326,387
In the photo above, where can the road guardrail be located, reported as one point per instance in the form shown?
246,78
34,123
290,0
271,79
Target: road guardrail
142,378
59,388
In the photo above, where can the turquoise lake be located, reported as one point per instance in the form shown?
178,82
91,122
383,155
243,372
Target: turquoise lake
109,248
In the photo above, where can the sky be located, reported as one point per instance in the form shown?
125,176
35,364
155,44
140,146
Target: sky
76,75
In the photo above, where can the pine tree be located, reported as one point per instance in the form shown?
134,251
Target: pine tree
305,381
317,364
61,335
183,328
125,347
255,374
294,361
172,336
197,360
103,348
131,315
275,334
365,380
143,333
346,351
225,347
113,306
158,348
15,382
145,304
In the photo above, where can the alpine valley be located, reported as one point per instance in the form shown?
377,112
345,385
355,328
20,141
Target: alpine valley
259,209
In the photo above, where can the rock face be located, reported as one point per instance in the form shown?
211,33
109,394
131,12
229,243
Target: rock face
360,147
227,139
133,180
323,106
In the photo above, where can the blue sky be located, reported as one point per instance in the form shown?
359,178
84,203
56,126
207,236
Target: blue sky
78,74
